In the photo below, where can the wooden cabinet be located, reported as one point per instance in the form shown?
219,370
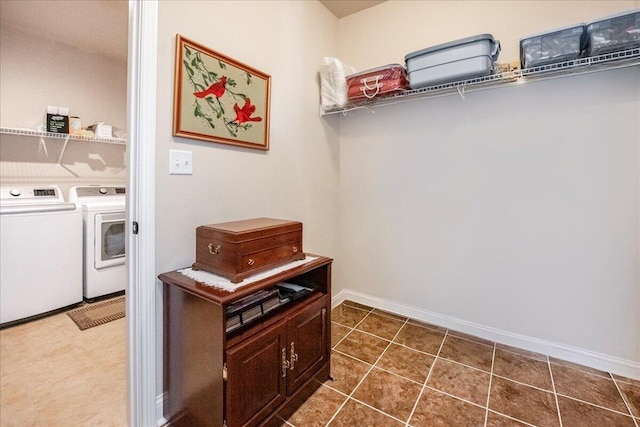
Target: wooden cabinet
307,341
264,368
256,376
263,371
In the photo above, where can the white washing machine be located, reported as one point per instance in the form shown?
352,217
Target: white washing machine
104,214
40,253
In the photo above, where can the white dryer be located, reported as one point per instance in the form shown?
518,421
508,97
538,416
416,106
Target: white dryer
104,216
40,253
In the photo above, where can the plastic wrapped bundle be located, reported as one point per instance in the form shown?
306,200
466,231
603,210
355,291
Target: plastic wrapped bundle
333,85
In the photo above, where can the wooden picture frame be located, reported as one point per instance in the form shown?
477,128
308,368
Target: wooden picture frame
219,99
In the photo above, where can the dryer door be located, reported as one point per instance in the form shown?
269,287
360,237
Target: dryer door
109,239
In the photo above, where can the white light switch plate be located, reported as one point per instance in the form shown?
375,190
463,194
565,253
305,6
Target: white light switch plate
180,162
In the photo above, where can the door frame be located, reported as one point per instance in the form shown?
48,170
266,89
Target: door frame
141,292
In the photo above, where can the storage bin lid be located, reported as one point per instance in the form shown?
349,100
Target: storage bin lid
617,15
448,45
579,27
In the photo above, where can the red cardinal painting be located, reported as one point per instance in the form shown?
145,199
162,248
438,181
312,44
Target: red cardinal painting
216,89
244,114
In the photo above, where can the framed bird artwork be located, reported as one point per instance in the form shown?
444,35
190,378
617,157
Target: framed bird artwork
219,99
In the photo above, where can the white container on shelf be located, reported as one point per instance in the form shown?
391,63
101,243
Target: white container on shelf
457,60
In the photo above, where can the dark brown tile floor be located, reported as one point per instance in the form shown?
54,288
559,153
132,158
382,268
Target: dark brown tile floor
392,371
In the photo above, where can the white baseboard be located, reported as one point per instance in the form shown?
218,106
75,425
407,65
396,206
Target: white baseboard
603,362
160,401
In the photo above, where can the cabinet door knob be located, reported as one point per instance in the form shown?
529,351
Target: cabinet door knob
295,249
250,262
214,251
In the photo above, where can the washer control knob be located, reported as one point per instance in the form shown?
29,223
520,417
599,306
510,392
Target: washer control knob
15,192
103,190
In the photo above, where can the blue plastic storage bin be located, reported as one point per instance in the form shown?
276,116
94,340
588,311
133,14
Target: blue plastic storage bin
457,60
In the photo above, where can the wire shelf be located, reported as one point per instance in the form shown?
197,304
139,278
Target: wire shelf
610,61
63,136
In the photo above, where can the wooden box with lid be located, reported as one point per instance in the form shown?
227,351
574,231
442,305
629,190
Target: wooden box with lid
236,250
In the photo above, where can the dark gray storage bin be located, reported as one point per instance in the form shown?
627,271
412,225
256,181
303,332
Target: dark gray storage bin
564,44
614,33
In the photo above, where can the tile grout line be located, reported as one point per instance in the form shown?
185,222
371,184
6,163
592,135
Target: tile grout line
547,359
555,393
360,402
372,334
345,335
409,347
538,359
595,405
286,423
415,405
418,383
390,315
365,316
623,380
580,369
349,333
373,408
414,349
482,341
624,399
512,418
351,357
368,372
477,405
493,360
455,362
424,325
525,384
398,375
453,396
354,326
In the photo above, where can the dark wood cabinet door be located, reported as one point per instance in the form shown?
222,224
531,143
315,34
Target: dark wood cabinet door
307,343
256,377
193,360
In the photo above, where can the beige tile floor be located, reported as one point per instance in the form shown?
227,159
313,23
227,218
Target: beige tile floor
52,374
392,371
388,370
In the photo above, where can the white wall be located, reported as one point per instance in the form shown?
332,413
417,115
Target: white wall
36,72
298,177
387,32
516,209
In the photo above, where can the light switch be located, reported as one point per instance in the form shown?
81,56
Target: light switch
180,162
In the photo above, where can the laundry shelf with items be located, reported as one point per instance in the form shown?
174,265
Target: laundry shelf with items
64,136
42,137
610,61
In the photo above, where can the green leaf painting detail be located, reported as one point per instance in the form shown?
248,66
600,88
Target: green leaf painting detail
212,90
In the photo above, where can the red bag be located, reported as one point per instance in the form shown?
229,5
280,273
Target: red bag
378,81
